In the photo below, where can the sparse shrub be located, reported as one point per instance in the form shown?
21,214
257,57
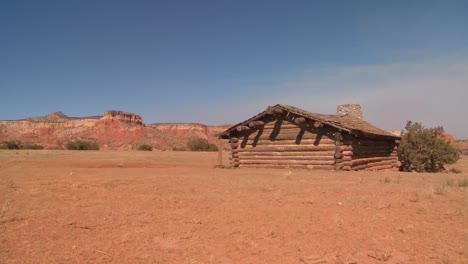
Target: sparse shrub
11,183
450,182
385,180
178,149
31,146
455,170
145,147
422,150
441,190
200,144
12,144
82,144
463,183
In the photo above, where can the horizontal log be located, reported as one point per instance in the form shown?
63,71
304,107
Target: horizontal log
243,128
269,157
286,153
347,158
369,145
347,153
339,166
233,140
346,148
288,148
369,160
290,166
258,123
370,165
323,141
370,154
346,167
284,162
357,147
364,156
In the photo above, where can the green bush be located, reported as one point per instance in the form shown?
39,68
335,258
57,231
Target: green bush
82,144
422,150
200,144
145,147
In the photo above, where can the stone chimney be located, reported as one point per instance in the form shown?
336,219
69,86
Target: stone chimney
350,110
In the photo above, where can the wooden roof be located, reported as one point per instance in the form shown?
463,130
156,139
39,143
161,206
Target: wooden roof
347,123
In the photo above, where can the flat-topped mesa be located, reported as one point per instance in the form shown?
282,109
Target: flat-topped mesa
124,116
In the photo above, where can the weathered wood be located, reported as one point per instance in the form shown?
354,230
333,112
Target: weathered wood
255,124
233,140
371,150
220,152
339,166
300,120
274,110
369,160
347,158
373,144
282,162
290,166
323,141
346,167
234,145
338,136
370,165
243,128
288,148
285,136
347,153
271,157
318,124
286,153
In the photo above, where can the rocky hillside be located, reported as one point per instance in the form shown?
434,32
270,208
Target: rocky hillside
114,130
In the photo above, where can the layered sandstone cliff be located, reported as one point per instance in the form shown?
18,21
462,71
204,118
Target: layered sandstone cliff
123,116
114,130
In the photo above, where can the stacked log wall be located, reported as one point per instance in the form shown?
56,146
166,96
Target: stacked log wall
374,154
282,144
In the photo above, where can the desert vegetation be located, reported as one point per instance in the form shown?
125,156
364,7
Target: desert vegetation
15,144
422,149
145,147
200,144
82,144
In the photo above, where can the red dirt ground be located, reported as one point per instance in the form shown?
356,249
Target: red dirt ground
174,207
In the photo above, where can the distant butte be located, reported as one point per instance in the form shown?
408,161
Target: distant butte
114,130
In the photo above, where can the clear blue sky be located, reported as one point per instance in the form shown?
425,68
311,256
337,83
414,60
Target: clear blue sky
217,62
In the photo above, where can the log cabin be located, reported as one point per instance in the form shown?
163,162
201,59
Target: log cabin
285,136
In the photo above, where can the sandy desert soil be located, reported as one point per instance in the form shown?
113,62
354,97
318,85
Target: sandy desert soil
174,207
